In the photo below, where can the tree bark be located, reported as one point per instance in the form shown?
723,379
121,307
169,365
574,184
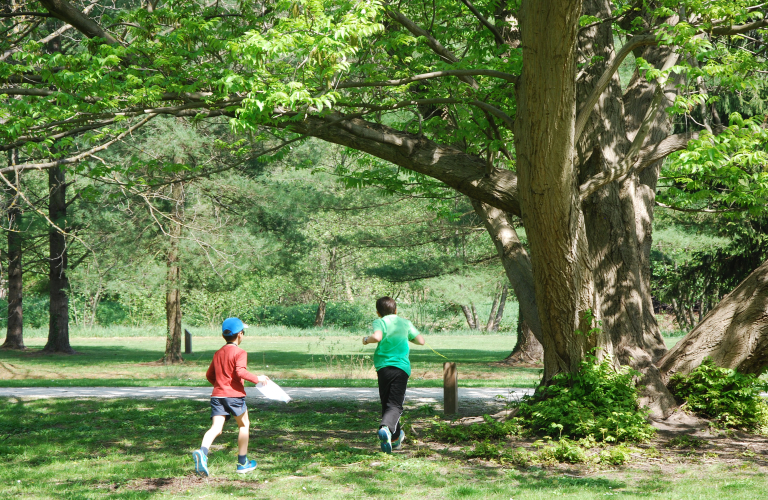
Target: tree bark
173,280
527,350
470,319
325,288
492,315
500,311
14,338
548,185
58,326
734,333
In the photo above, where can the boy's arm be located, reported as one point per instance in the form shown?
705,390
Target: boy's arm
374,337
211,374
418,339
241,362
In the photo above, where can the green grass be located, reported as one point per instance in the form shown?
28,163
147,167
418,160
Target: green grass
136,449
311,361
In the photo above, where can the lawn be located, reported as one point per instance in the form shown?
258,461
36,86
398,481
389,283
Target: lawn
322,359
130,449
292,357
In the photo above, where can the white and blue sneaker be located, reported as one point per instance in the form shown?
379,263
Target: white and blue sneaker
246,467
396,445
386,439
201,462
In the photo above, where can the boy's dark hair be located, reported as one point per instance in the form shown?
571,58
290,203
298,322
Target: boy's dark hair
229,335
386,306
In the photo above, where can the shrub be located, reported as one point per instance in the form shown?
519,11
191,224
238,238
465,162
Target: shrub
597,401
339,314
563,450
729,398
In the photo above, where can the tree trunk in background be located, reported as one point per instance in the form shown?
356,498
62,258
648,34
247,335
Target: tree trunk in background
58,326
14,338
320,314
492,315
470,319
475,318
734,333
326,288
500,311
527,350
173,280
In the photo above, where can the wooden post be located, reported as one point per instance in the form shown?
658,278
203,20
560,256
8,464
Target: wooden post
450,389
187,342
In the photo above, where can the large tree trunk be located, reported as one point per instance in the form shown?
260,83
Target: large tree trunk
14,338
527,350
548,185
734,333
173,280
58,326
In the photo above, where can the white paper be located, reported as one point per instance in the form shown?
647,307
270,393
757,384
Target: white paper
273,391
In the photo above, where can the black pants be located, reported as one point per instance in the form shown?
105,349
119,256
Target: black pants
392,384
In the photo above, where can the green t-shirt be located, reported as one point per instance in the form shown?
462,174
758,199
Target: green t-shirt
393,349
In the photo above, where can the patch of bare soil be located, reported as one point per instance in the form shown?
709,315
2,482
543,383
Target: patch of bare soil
179,484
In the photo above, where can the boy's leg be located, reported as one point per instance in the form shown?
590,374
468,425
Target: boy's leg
217,425
243,464
200,456
396,398
243,433
392,385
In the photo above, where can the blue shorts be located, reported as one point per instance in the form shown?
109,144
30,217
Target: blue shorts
228,407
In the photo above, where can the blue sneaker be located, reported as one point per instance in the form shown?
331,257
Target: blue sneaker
246,467
201,463
396,445
386,439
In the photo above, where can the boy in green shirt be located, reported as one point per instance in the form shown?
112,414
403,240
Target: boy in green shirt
392,368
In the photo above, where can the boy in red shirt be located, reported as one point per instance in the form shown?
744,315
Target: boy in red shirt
226,374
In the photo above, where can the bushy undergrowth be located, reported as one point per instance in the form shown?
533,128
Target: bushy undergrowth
729,398
339,314
597,402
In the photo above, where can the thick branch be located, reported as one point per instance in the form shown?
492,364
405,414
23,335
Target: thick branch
589,105
63,10
463,172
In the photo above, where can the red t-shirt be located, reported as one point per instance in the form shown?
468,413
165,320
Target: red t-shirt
227,372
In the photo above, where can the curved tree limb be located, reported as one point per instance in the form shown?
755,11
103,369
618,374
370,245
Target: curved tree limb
63,10
589,105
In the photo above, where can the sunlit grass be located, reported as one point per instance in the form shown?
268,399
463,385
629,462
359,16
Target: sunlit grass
136,449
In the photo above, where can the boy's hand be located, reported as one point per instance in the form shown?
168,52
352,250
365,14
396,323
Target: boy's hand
263,379
365,340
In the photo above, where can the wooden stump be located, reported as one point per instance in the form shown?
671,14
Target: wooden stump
450,389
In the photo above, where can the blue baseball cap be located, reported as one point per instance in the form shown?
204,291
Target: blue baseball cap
232,326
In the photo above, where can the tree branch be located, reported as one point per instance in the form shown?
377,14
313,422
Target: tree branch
589,105
434,74
463,172
432,42
741,28
496,35
73,159
63,10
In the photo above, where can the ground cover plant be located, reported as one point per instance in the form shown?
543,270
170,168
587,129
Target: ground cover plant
727,397
134,449
598,402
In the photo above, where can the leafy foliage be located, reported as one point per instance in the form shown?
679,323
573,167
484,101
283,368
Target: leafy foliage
488,430
597,401
729,398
